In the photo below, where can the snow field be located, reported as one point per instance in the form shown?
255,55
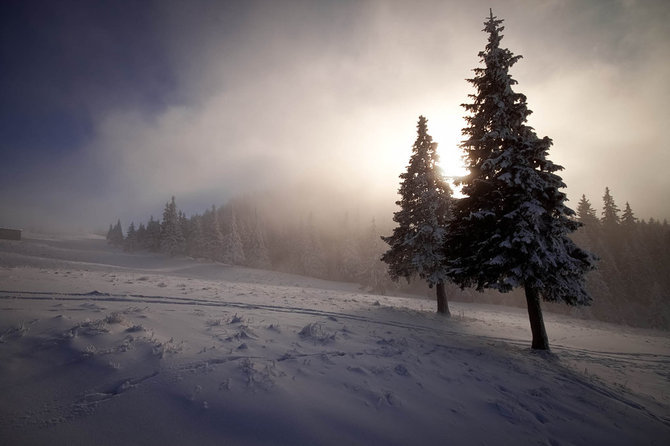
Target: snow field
174,351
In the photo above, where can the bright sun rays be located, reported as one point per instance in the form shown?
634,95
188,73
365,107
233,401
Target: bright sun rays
446,131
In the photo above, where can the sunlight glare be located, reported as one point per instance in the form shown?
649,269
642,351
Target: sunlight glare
447,133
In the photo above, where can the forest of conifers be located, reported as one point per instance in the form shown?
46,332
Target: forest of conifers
629,286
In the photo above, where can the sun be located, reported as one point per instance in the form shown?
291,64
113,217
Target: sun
447,133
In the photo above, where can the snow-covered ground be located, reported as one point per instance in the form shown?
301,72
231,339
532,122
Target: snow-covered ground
103,347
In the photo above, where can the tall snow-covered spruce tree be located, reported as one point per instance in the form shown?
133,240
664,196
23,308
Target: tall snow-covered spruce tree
416,243
511,228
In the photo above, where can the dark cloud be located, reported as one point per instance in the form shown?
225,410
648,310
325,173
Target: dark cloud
112,107
66,62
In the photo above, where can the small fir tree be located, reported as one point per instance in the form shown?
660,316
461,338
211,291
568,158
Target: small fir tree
153,237
585,212
141,236
110,233
416,245
130,243
610,215
511,228
115,235
172,239
186,228
628,219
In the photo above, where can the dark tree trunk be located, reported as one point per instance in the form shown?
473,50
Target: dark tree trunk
540,340
442,304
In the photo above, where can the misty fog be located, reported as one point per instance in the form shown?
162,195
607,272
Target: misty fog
208,101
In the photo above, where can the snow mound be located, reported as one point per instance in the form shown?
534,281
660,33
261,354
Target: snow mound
314,331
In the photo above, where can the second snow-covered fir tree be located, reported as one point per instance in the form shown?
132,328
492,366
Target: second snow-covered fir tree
511,228
425,201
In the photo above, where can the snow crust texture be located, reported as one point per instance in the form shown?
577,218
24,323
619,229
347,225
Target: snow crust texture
103,347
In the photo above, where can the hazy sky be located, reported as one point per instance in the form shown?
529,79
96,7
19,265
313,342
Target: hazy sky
109,108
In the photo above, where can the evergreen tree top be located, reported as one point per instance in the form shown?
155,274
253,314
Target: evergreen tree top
610,214
510,229
628,218
493,52
585,211
496,115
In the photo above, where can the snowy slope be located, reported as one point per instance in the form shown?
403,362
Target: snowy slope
103,347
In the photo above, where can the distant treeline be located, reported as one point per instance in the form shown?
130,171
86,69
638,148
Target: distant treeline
630,285
243,233
632,282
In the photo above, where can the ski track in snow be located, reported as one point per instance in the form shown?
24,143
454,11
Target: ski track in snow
649,359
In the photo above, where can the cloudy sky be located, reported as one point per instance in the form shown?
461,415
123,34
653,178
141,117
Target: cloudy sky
109,108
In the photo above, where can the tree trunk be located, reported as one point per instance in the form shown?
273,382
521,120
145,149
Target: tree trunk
540,340
442,304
